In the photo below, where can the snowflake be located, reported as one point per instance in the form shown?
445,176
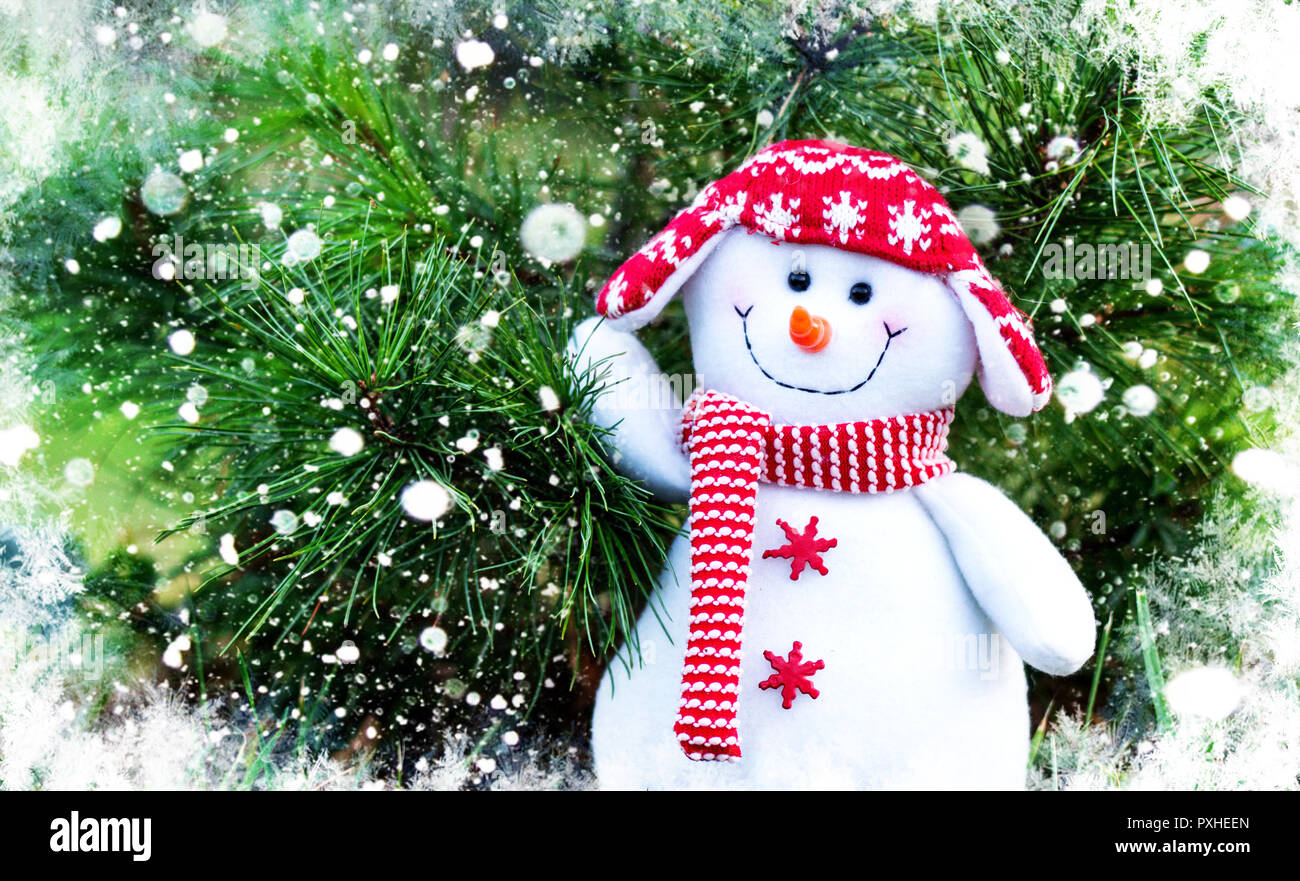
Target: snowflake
728,213
908,227
703,197
793,674
614,295
802,549
846,215
664,247
802,161
778,220
948,225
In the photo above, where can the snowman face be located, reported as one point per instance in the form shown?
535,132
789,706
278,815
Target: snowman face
811,333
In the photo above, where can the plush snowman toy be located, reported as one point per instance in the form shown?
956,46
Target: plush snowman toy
884,602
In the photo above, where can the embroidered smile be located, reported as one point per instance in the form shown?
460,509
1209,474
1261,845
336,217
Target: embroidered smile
744,323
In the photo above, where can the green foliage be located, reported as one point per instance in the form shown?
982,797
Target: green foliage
446,377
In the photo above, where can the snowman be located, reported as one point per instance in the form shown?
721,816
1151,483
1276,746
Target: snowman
843,609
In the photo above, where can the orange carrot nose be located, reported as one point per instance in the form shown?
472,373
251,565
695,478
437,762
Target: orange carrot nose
809,332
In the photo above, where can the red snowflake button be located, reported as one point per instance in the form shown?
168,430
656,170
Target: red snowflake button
802,548
793,674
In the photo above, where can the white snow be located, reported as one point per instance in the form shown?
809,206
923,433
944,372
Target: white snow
79,472
1208,692
1196,261
271,214
208,28
1236,208
163,193
553,232
473,54
227,550
425,500
107,228
1140,400
181,341
433,639
979,223
1062,148
1079,391
304,244
191,161
172,654
970,152
284,522
15,441
347,442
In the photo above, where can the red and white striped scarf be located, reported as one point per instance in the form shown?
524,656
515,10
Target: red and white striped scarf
732,446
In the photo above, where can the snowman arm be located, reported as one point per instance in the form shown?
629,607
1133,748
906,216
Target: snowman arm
1015,572
637,404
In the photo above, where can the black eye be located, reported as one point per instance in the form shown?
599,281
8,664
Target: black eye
860,293
799,280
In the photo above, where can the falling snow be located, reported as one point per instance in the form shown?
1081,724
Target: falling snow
425,500
347,442
473,54
554,233
182,342
970,152
1079,391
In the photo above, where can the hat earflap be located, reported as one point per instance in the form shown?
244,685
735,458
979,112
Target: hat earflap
1001,376
660,298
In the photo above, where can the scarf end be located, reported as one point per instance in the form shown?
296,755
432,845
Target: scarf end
699,748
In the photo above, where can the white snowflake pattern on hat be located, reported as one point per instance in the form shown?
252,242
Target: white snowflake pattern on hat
909,227
881,167
948,225
779,219
727,214
664,247
614,295
846,216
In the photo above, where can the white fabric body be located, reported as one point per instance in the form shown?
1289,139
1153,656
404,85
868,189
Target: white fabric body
933,594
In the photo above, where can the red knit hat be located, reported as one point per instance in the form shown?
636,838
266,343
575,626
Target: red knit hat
821,193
